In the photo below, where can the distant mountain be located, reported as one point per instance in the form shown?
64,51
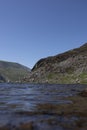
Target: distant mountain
68,67
13,72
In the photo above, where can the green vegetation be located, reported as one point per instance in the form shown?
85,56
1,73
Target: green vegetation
51,76
13,72
66,68
69,67
67,78
83,78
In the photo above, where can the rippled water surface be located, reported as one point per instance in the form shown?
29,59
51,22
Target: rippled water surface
15,97
25,97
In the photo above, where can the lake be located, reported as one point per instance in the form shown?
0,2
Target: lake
19,103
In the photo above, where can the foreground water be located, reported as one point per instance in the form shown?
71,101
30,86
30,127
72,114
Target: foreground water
19,101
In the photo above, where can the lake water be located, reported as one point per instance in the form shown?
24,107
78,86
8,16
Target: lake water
16,98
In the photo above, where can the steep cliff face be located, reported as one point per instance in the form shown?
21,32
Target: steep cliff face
68,67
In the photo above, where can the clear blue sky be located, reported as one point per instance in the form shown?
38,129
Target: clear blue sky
34,29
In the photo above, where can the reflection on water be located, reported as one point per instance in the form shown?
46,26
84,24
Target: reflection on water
15,97
25,97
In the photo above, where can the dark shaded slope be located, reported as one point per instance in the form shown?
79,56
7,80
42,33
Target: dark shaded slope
13,71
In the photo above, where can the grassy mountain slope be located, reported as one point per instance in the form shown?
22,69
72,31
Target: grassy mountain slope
13,71
68,67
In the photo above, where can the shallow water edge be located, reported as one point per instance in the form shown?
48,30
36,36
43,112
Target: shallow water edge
42,106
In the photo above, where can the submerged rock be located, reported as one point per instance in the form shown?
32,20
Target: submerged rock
26,126
83,93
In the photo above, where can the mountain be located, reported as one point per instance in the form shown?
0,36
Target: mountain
13,72
68,67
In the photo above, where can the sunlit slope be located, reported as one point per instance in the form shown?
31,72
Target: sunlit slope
68,67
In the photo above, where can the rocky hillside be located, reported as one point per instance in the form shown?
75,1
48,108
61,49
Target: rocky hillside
13,72
68,67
